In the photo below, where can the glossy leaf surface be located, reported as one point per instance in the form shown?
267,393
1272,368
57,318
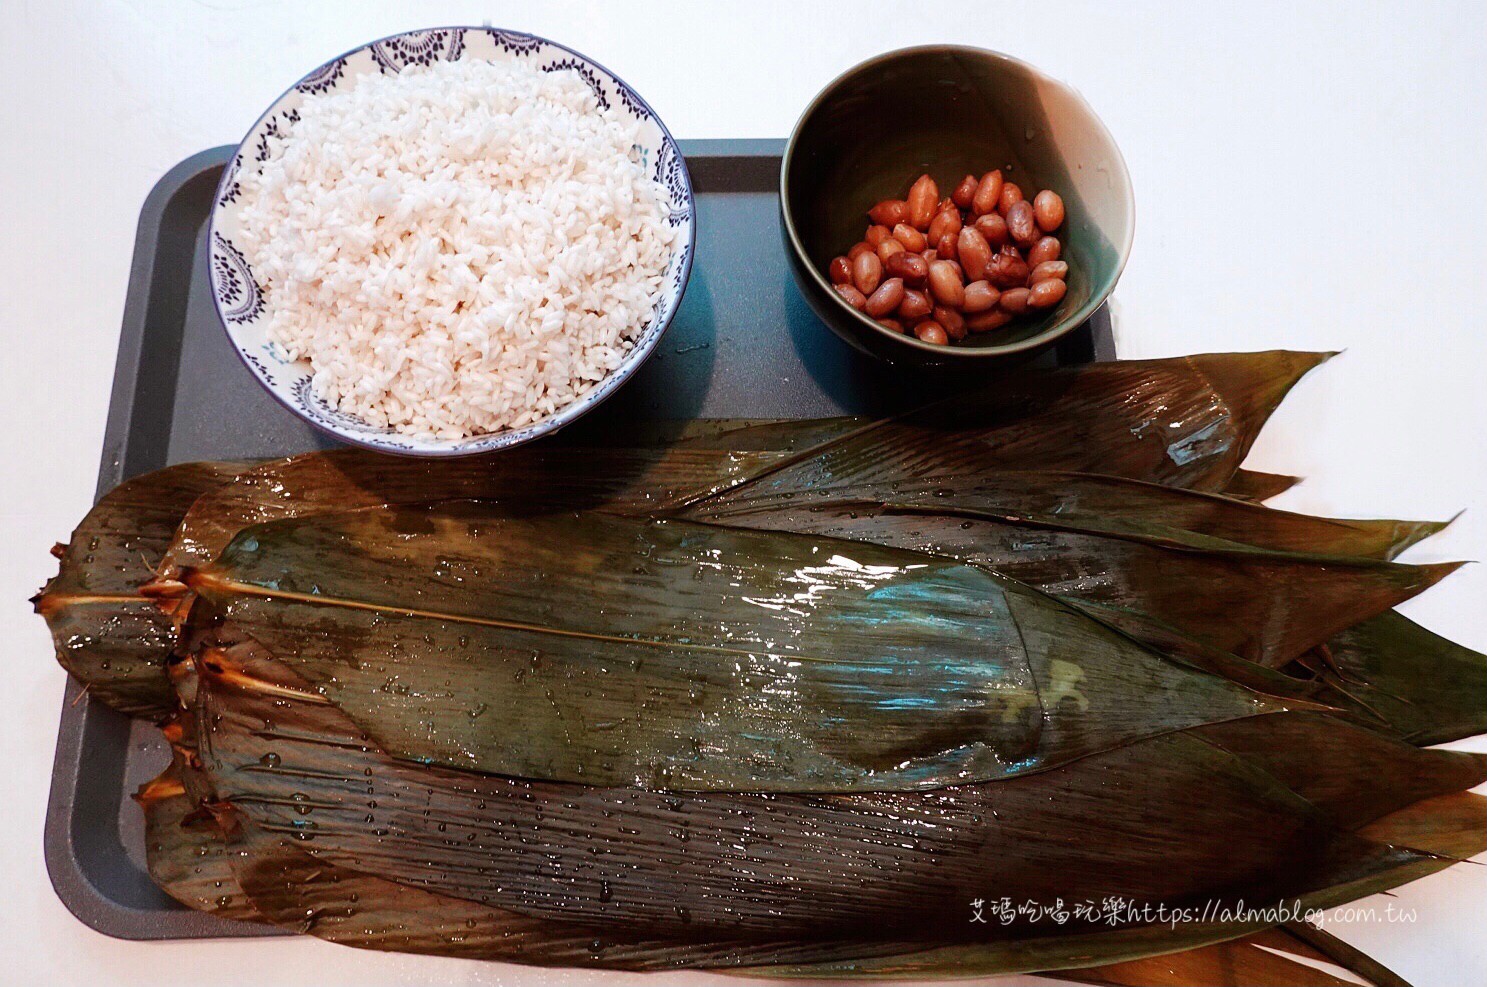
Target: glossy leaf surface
893,864
108,635
684,656
1265,606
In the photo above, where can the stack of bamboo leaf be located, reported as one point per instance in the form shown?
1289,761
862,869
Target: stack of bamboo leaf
787,697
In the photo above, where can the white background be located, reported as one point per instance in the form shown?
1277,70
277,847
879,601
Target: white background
1309,176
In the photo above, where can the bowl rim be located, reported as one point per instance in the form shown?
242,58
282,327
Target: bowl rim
546,426
1075,319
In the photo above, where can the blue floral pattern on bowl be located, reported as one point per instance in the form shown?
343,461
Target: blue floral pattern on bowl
241,301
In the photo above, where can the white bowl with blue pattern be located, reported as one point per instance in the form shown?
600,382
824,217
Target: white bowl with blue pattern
241,303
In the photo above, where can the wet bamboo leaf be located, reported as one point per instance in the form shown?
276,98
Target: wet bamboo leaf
256,877
1334,950
1352,774
785,435
107,635
1258,487
527,480
1453,824
1264,606
1386,672
264,878
188,857
221,863
1430,690
1186,422
683,656
1240,963
1090,502
1298,693
879,865
299,892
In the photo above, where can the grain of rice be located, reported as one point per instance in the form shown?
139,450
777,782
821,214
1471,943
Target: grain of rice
457,249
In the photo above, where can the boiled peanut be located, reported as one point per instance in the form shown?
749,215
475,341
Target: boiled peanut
965,192
876,235
889,212
889,248
994,228
887,298
1011,195
946,223
947,248
1007,269
851,295
916,305
857,248
946,284
1022,225
1048,207
840,270
980,296
1046,249
1046,294
912,268
1049,270
931,331
989,320
867,271
893,325
988,193
953,322
923,197
973,252
911,238
1014,300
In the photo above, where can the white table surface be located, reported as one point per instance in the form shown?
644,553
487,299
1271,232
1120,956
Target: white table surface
1305,178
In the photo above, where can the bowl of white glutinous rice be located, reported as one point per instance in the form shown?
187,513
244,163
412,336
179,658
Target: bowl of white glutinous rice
451,241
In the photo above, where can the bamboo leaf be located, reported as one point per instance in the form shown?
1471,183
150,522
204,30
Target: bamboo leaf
1453,826
295,890
188,858
1186,422
1264,606
681,656
1386,672
882,865
1228,964
1345,956
290,888
526,480
1353,775
1090,502
107,634
1430,690
1258,487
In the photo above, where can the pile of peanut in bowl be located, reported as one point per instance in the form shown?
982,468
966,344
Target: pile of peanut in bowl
972,262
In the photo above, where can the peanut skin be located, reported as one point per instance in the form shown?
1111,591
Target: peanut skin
887,298
867,271
1048,207
988,193
923,197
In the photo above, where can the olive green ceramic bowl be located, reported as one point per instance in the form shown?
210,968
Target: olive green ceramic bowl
952,111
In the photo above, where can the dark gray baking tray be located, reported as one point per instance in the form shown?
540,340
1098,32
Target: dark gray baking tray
744,345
